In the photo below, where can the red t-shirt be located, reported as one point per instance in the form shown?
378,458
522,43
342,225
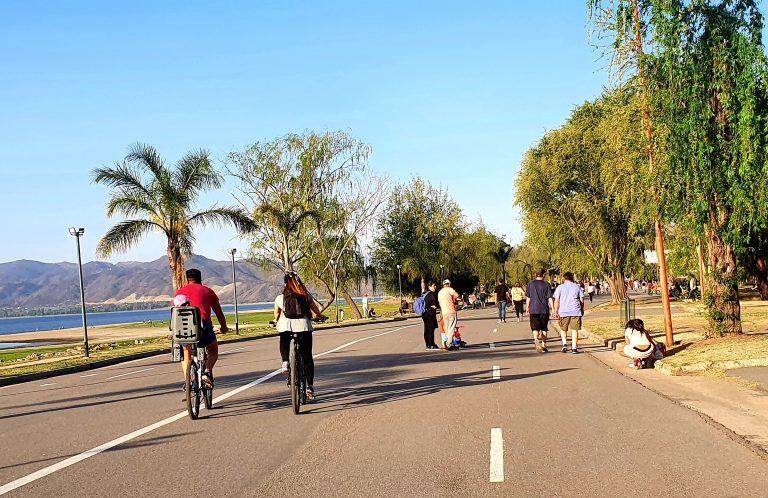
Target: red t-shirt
200,296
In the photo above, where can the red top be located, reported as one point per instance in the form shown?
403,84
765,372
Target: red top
200,296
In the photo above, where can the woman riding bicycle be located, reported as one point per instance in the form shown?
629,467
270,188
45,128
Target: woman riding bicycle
293,313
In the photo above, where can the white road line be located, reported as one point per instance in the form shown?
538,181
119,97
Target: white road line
496,473
87,375
130,373
50,384
140,432
492,345
496,372
233,350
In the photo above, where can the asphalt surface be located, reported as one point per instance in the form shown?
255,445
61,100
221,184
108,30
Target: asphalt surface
391,419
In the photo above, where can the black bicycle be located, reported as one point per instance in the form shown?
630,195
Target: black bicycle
185,327
193,382
297,377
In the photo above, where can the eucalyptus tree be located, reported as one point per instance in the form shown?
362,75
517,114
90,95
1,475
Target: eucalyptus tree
579,188
156,198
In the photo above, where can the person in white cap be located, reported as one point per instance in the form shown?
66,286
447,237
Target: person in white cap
447,298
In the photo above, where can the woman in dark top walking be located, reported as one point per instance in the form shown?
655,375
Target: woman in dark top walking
430,316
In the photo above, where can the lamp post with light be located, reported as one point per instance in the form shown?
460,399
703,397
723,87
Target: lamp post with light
400,286
234,289
77,233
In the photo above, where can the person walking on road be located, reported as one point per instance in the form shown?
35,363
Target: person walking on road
429,317
539,295
518,300
590,290
502,292
446,299
569,308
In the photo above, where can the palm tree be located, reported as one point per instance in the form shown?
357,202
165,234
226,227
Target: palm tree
157,198
501,256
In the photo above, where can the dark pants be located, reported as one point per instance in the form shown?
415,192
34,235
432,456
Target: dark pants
430,324
518,308
305,346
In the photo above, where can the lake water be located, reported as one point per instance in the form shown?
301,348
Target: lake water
56,322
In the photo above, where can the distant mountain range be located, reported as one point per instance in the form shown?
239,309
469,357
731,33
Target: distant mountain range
29,284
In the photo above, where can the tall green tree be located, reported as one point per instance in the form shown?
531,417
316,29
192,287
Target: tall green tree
709,75
291,186
157,198
416,230
579,188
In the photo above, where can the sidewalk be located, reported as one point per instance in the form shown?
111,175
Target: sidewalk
741,411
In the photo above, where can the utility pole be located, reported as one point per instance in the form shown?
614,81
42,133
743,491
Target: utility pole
234,289
77,233
662,258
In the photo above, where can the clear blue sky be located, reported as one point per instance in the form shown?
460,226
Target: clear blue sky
454,92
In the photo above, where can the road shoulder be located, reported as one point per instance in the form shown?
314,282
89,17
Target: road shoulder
741,412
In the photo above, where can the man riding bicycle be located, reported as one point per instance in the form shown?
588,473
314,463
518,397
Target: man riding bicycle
204,299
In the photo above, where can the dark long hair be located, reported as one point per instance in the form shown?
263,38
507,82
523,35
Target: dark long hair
638,325
295,287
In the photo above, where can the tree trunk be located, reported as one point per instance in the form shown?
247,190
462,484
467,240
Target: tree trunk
761,272
176,264
723,299
423,284
618,289
352,304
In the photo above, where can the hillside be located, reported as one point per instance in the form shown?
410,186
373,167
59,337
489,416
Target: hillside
27,283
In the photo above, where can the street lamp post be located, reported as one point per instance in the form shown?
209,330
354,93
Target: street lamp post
400,286
77,233
234,289
335,289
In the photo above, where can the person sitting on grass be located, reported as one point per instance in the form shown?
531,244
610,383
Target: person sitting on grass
639,346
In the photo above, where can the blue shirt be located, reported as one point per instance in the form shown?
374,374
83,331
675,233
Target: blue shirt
570,295
539,292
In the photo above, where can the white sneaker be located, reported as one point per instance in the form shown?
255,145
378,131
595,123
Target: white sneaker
498,321
284,367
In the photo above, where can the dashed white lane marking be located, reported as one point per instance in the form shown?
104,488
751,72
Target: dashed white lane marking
130,373
140,432
49,384
492,345
87,375
496,473
233,350
496,372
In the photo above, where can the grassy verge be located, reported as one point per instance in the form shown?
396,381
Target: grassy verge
48,358
690,325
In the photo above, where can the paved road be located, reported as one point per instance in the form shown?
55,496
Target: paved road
391,420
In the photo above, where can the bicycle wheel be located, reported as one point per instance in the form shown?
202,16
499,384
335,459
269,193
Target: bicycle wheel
208,398
192,385
295,381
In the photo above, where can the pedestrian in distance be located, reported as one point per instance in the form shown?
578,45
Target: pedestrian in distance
517,294
590,290
502,292
446,299
539,294
427,305
569,308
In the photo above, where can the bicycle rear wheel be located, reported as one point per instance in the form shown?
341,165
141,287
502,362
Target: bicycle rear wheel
192,385
295,381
